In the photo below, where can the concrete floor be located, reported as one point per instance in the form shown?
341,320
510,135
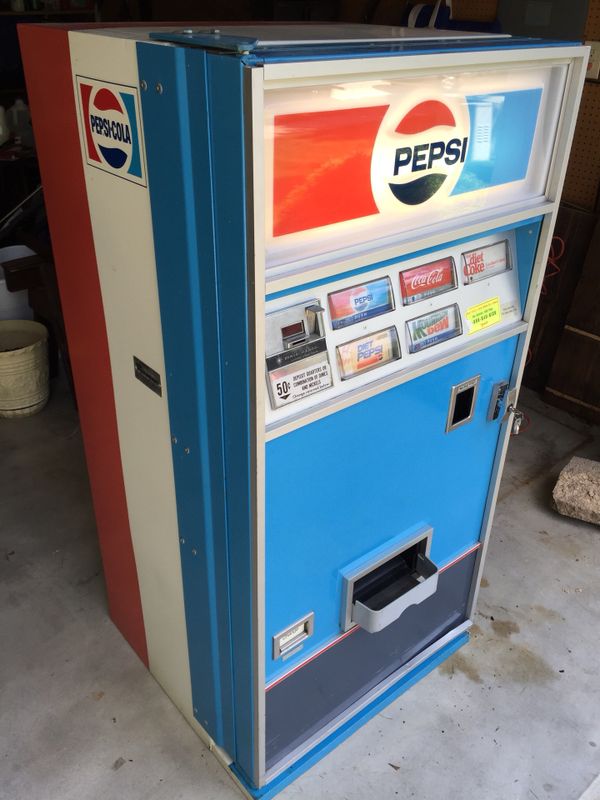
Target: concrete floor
513,716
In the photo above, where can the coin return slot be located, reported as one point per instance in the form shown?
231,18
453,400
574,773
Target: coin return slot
462,403
378,596
291,638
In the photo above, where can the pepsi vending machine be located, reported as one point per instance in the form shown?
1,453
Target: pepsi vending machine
299,268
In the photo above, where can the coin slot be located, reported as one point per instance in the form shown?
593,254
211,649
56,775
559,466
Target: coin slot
462,403
291,638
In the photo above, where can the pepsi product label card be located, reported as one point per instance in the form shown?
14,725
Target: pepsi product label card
349,306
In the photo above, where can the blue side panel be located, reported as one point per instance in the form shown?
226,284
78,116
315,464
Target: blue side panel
348,483
502,127
178,153
225,91
353,724
527,238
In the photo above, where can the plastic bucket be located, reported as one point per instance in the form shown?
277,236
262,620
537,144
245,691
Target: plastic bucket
24,387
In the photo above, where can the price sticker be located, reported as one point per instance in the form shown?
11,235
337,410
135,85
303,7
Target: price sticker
484,315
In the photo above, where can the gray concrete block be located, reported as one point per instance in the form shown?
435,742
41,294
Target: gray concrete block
577,491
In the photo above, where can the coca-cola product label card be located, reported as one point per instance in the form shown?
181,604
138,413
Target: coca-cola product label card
427,280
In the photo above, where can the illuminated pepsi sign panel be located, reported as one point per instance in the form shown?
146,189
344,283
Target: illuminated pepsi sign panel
356,162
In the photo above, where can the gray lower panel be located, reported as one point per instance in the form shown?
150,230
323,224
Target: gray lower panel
299,706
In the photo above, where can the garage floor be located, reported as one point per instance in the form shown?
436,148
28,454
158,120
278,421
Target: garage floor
514,715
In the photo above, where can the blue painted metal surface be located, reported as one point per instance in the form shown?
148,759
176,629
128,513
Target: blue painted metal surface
200,245
527,238
184,250
525,256
327,745
346,484
413,49
228,168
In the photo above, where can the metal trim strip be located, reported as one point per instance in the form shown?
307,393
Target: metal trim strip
289,74
369,390
253,130
345,261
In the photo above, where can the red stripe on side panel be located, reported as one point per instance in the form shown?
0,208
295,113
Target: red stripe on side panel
47,63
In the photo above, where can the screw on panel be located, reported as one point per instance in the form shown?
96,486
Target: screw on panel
195,710
194,551
174,440
182,541
159,88
186,450
143,85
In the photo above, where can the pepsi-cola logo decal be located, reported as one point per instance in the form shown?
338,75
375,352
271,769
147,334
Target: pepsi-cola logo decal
418,155
111,126
419,152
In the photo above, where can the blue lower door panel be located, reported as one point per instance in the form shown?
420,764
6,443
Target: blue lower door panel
380,470
300,706
340,490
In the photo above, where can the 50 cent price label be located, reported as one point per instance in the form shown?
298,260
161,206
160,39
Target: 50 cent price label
299,380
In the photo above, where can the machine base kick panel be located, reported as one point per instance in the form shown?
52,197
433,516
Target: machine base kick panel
302,704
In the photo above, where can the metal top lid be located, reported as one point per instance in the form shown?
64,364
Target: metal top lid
250,38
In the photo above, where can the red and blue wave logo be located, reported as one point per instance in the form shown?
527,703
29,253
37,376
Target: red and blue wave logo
110,117
342,164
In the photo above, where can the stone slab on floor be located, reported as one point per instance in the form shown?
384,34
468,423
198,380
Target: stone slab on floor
577,491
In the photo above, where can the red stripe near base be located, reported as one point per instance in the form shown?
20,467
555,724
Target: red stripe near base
46,57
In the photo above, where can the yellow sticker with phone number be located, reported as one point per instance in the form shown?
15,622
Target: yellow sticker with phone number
484,315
